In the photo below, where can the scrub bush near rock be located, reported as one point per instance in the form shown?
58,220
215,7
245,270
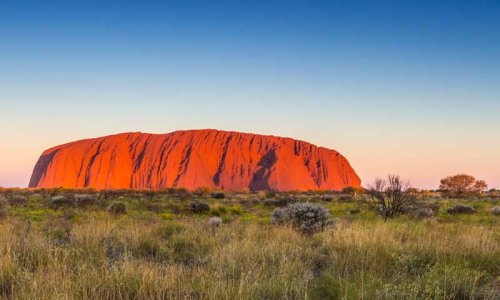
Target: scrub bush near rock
306,218
198,207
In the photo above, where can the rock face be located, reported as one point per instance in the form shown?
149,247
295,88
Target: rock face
191,159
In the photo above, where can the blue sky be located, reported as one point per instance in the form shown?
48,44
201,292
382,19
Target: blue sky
407,87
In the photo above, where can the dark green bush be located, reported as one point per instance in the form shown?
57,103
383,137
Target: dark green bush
461,209
199,207
218,195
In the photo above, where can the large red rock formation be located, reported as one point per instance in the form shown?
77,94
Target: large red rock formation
191,159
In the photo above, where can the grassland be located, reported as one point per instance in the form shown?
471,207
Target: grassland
160,249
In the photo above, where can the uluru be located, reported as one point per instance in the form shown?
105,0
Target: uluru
193,158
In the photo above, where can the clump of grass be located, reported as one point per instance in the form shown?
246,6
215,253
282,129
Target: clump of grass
59,231
4,208
117,208
167,230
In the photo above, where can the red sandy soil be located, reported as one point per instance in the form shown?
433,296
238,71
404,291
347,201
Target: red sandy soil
193,158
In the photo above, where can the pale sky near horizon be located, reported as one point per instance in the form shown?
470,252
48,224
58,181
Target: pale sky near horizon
407,88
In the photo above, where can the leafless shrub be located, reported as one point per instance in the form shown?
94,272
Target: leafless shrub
390,196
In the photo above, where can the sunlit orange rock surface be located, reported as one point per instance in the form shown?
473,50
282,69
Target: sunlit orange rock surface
191,159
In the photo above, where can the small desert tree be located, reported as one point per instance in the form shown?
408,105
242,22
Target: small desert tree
390,196
462,185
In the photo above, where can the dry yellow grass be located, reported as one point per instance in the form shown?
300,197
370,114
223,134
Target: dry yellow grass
105,257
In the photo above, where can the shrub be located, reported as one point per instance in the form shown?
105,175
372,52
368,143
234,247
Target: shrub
82,200
279,216
117,208
391,196
60,201
423,213
461,209
199,207
249,202
327,198
218,195
280,202
18,200
495,210
306,218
